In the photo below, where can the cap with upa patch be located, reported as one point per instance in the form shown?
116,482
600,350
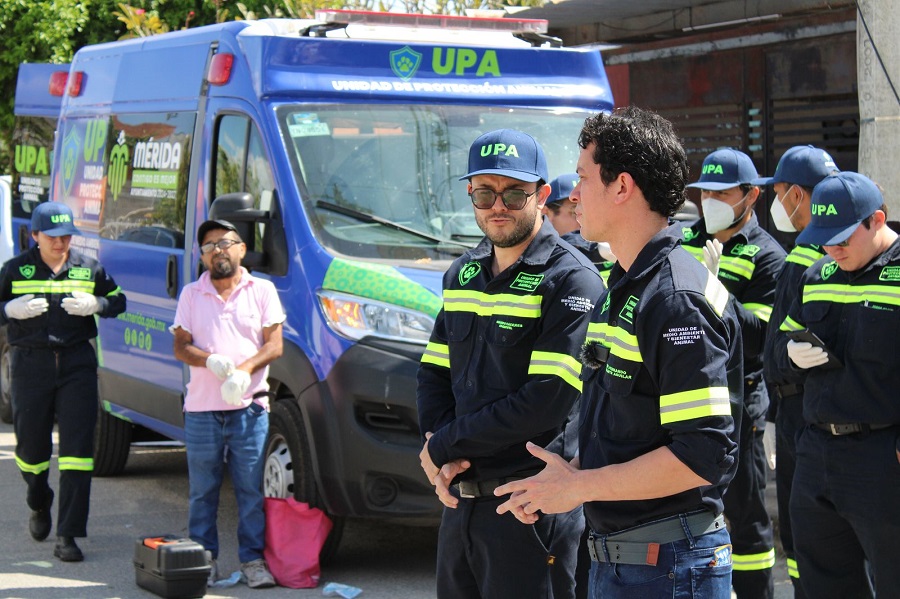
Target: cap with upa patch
724,169
53,219
212,225
561,188
508,153
839,204
801,165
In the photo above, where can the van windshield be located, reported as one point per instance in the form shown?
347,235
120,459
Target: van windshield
382,181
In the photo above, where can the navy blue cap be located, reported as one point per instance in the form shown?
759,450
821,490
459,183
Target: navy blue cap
561,188
802,165
53,219
839,204
724,169
509,153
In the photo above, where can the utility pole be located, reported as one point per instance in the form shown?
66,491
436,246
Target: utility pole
878,76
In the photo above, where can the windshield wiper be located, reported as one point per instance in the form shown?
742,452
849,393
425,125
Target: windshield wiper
371,218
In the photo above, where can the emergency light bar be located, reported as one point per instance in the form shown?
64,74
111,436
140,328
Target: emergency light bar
374,18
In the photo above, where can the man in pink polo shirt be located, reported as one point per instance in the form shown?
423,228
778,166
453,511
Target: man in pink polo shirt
227,329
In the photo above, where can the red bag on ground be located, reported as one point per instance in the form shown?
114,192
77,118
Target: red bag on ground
295,534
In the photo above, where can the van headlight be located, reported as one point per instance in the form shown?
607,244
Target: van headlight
357,317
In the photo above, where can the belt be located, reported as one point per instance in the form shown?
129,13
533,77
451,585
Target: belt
851,428
470,489
640,545
788,390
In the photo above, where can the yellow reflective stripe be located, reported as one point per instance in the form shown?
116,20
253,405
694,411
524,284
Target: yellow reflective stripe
804,256
69,463
437,354
738,266
762,311
562,365
753,561
115,291
790,324
716,294
852,294
694,251
486,304
697,403
32,468
620,342
792,569
65,286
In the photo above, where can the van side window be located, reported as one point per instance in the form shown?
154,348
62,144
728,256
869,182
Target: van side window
147,168
242,165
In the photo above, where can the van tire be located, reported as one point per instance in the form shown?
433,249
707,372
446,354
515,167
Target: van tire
6,412
288,468
112,443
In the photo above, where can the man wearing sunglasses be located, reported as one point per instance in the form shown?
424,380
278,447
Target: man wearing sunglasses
227,329
502,369
847,478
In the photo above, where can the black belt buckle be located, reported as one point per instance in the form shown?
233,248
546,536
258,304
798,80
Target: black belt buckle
592,549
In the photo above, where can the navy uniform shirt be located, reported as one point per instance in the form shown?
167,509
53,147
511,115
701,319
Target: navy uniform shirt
502,366
27,273
663,369
778,371
857,315
749,268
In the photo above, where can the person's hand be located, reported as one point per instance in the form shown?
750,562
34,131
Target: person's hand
235,386
26,306
445,477
549,491
428,467
81,304
221,366
769,444
712,254
805,354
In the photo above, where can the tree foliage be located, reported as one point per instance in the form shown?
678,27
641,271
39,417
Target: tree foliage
53,30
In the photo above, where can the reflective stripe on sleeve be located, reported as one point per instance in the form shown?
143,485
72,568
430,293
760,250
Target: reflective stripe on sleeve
697,403
790,324
437,354
716,294
762,311
562,365
792,569
753,561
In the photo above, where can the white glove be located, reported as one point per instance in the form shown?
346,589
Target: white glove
235,386
26,306
712,253
805,354
81,304
221,366
769,444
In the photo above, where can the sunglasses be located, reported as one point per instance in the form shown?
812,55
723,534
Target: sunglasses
514,199
222,244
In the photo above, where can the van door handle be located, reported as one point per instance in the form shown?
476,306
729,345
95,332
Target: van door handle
172,276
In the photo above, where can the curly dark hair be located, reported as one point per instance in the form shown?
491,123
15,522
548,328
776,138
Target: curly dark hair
644,145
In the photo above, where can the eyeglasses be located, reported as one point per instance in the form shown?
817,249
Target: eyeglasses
222,244
843,244
514,199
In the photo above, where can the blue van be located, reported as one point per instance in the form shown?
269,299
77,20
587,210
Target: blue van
339,156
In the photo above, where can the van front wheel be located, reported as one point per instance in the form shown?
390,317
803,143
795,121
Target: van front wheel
112,443
288,470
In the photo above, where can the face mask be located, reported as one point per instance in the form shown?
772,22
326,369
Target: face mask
781,218
605,251
719,215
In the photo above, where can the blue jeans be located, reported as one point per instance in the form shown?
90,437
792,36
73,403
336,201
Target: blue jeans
693,568
236,438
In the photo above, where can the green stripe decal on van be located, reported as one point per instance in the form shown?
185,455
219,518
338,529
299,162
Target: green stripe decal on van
382,283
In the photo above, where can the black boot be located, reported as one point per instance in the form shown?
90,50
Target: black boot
67,550
41,522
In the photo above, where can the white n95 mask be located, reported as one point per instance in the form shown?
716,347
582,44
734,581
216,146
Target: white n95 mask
780,218
719,215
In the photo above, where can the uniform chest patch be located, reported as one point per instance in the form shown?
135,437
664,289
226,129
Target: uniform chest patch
627,311
469,272
683,335
890,273
27,270
80,274
526,282
828,270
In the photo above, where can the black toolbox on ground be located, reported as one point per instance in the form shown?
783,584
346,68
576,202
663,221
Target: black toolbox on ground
170,566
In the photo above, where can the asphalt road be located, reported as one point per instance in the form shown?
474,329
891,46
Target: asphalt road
385,561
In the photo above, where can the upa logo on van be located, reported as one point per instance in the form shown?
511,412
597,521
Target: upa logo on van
118,166
405,62
459,60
